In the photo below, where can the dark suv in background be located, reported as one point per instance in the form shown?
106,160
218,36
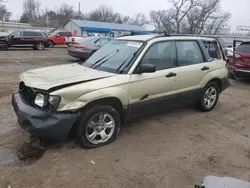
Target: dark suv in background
35,39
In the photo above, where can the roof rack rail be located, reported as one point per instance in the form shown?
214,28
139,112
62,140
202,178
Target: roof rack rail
165,34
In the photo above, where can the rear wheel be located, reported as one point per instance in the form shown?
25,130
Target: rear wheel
209,98
3,45
40,46
98,126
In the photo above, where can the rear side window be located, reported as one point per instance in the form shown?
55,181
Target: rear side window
33,34
104,41
212,48
244,48
189,53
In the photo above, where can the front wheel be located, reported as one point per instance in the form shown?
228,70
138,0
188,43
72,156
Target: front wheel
98,126
50,44
209,97
3,46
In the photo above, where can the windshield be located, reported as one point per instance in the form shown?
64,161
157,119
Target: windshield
53,33
114,56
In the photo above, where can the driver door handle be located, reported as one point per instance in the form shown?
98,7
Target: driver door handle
171,74
205,68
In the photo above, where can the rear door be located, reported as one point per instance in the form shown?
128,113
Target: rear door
192,69
30,37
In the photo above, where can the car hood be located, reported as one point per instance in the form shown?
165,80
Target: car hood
59,76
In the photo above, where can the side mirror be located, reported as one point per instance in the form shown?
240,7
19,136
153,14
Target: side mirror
12,36
57,35
146,68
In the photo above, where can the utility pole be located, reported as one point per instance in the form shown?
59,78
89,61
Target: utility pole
79,9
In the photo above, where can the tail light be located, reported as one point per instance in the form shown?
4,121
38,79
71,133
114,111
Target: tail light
73,40
79,46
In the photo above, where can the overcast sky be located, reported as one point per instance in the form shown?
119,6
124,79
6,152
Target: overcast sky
238,8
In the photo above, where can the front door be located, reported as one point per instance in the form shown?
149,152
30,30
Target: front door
60,38
150,92
16,38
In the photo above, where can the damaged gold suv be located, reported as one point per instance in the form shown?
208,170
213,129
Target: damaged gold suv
128,77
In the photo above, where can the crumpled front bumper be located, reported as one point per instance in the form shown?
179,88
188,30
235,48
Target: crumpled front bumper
45,125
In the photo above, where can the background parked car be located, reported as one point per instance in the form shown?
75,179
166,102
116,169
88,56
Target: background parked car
38,40
62,37
86,47
239,65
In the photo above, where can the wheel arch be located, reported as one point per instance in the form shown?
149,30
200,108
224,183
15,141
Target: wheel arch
217,81
114,102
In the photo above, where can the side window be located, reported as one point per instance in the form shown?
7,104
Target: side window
162,55
189,53
213,49
18,34
98,42
28,33
65,34
104,41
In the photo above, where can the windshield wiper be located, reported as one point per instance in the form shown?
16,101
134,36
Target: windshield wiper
111,55
99,60
130,57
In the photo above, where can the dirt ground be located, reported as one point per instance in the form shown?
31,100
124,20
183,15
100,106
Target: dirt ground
172,149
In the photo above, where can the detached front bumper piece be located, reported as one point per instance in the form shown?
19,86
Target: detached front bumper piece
45,125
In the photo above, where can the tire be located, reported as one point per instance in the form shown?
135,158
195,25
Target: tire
97,127
3,46
51,44
231,76
39,46
209,98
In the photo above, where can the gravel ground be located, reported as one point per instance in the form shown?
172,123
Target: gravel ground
171,149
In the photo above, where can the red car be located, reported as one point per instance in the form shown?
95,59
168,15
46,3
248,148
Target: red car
62,37
239,64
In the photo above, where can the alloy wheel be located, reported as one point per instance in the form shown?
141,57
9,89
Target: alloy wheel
40,46
210,97
100,128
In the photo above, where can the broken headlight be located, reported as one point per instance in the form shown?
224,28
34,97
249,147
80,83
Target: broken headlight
51,102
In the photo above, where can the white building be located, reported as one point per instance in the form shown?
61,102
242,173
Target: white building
85,28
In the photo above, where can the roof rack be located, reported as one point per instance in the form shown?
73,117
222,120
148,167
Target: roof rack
165,34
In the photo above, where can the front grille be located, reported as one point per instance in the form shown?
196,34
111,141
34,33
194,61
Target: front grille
27,93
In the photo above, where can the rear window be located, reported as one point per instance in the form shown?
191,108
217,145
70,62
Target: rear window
244,48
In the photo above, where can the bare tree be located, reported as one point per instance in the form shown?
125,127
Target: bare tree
107,14
66,10
4,14
31,9
191,16
139,19
162,21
